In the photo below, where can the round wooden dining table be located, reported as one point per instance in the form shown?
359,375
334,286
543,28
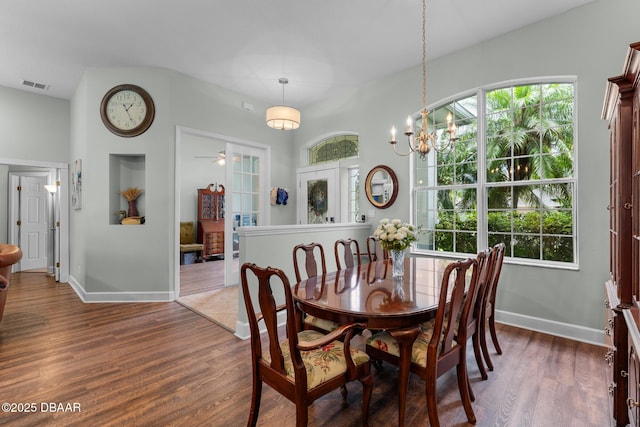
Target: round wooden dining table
369,294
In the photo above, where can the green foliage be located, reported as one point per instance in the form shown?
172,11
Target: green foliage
529,134
556,229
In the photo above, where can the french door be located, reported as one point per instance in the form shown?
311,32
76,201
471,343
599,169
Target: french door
246,171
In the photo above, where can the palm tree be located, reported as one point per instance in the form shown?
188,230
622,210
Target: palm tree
530,137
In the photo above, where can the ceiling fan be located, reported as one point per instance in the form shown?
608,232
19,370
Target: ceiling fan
220,158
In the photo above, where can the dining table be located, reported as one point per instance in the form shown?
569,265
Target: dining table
369,294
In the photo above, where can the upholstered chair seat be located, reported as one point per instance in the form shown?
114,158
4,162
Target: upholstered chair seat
188,242
322,364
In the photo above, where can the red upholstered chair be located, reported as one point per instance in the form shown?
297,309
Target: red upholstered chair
308,364
344,249
375,250
439,347
306,254
9,255
489,306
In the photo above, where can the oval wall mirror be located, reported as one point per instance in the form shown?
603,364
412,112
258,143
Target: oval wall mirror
381,186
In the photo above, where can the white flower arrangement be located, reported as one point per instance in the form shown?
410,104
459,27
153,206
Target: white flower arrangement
395,234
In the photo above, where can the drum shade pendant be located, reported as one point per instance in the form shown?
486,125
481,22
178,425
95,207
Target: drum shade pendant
283,117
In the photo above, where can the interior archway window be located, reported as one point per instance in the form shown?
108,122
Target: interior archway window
334,148
511,176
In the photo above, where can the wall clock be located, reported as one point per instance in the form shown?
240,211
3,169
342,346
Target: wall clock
127,110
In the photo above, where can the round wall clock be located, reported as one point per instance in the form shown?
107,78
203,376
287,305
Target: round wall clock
127,110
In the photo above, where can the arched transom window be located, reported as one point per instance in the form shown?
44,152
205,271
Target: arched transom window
333,149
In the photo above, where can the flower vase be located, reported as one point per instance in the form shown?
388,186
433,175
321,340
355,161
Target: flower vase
397,258
133,210
397,293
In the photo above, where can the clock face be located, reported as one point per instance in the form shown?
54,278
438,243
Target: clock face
127,110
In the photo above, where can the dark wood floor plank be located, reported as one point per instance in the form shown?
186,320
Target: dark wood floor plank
161,364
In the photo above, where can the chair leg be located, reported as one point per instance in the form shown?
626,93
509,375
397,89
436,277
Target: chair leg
463,387
344,392
494,337
476,352
255,402
302,414
432,404
483,344
367,388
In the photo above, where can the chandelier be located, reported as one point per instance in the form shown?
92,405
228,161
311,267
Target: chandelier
423,142
283,117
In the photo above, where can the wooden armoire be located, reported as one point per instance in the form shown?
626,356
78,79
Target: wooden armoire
622,110
211,220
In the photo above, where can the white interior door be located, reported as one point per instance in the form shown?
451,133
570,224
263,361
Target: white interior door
318,195
34,225
246,204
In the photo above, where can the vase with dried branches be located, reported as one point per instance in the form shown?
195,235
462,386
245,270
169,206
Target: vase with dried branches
131,194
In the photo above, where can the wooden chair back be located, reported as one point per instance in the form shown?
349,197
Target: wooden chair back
281,365
268,309
487,315
308,252
455,282
347,248
495,276
375,250
485,260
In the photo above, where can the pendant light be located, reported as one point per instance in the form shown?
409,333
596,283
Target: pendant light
283,117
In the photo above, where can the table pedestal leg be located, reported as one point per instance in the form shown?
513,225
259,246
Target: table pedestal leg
405,338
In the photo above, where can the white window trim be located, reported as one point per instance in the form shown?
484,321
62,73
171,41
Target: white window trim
482,185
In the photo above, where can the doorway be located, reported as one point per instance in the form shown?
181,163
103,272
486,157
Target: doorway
195,148
30,220
56,174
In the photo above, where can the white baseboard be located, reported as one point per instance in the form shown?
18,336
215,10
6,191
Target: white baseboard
574,332
244,333
564,330
90,297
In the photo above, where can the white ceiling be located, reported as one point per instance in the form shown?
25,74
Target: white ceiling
323,47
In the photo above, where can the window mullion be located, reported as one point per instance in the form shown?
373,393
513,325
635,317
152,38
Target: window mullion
482,172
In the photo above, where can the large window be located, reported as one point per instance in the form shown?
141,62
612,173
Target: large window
510,177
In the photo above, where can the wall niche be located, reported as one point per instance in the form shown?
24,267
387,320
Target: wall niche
126,171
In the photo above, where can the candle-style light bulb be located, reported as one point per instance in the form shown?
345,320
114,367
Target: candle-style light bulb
409,124
393,134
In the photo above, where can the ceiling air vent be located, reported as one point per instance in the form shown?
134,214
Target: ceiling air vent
35,85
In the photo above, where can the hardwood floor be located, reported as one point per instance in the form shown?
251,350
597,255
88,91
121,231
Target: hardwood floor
202,277
159,364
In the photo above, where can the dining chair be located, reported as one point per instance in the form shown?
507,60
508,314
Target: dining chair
307,253
489,306
437,350
375,250
484,266
306,364
346,247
